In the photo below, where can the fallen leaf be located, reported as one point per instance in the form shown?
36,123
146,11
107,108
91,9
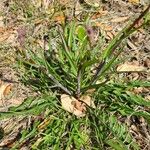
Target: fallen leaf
99,14
103,26
72,105
90,91
59,18
147,62
88,100
139,90
119,19
7,89
8,35
130,67
147,97
134,1
4,89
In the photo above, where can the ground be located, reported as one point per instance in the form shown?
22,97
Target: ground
24,24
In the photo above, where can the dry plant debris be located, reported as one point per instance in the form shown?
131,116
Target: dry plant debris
75,106
130,67
5,89
113,21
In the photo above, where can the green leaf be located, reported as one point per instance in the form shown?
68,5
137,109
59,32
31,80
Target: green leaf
138,99
116,144
81,32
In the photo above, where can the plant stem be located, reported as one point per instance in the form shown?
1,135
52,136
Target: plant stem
78,83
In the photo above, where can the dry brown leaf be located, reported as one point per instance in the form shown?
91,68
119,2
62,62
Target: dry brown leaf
90,91
8,35
134,1
5,89
120,19
88,100
103,26
147,97
59,19
72,105
129,67
11,102
99,14
147,62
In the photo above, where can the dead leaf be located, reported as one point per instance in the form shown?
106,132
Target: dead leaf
90,91
140,90
59,19
130,67
46,3
5,89
147,97
99,14
72,105
134,1
103,26
8,35
147,62
88,100
119,19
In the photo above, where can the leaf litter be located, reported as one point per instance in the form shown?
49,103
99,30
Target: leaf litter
77,107
9,35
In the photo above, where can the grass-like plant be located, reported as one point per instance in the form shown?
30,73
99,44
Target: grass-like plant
73,65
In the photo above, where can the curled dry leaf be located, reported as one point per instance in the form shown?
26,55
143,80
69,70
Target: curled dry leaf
130,67
72,105
5,89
